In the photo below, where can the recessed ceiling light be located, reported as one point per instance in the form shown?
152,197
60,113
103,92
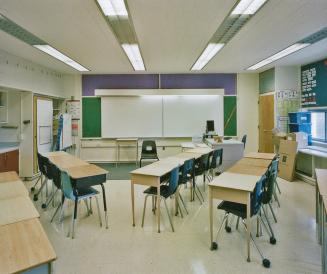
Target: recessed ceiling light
134,55
248,6
113,7
279,55
209,52
60,56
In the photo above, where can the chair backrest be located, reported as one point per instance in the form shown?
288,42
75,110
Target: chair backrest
244,139
256,196
149,147
173,180
56,175
270,182
216,154
42,161
187,169
66,185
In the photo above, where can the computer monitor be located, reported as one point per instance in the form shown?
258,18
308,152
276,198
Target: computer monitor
210,125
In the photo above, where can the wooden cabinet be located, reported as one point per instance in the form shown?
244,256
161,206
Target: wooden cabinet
9,161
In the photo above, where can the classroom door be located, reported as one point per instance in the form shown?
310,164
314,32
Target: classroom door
266,122
44,120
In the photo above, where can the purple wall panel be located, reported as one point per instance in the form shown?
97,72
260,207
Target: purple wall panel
226,81
118,81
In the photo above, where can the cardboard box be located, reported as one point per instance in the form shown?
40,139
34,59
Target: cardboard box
277,137
300,137
287,154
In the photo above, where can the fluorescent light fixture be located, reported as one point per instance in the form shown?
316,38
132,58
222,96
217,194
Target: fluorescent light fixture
62,57
248,6
134,55
279,55
209,52
113,7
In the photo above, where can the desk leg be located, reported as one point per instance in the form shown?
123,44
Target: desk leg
158,204
212,245
117,154
323,249
320,218
132,196
248,225
137,153
105,204
313,167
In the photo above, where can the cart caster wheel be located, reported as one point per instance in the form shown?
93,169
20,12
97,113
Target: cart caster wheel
228,229
43,206
266,263
214,246
32,189
273,240
35,198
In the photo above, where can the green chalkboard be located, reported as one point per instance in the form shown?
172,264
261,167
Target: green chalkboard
314,84
91,111
230,125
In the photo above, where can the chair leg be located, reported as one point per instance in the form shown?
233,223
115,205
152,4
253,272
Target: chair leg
49,200
221,225
171,223
57,209
43,184
87,207
237,223
98,207
265,261
74,218
145,199
181,198
272,212
272,238
276,198
204,182
37,181
277,185
140,162
62,210
91,210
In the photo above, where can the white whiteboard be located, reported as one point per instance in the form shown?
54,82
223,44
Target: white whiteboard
66,140
44,121
131,116
186,115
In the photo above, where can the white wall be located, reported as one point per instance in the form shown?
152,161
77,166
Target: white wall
247,109
18,73
288,78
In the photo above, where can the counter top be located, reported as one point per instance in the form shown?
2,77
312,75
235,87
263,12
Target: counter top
8,146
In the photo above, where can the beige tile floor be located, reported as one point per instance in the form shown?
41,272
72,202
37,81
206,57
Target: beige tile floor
126,249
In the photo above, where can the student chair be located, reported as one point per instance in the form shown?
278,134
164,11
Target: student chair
40,168
166,191
76,195
53,173
42,163
216,161
202,167
244,139
149,151
239,210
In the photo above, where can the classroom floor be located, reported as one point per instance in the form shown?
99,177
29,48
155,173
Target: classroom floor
126,249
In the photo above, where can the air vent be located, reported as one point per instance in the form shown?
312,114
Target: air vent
315,37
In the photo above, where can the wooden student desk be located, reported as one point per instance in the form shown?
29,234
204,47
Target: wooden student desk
82,173
12,190
17,209
150,176
247,169
24,246
255,162
8,177
234,188
200,150
259,155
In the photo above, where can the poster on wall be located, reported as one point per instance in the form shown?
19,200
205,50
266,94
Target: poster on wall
73,108
287,101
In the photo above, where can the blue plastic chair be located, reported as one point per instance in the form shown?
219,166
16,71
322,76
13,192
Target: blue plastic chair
166,191
216,160
239,210
77,195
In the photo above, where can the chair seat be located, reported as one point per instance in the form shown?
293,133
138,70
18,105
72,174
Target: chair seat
233,208
84,193
164,191
183,180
